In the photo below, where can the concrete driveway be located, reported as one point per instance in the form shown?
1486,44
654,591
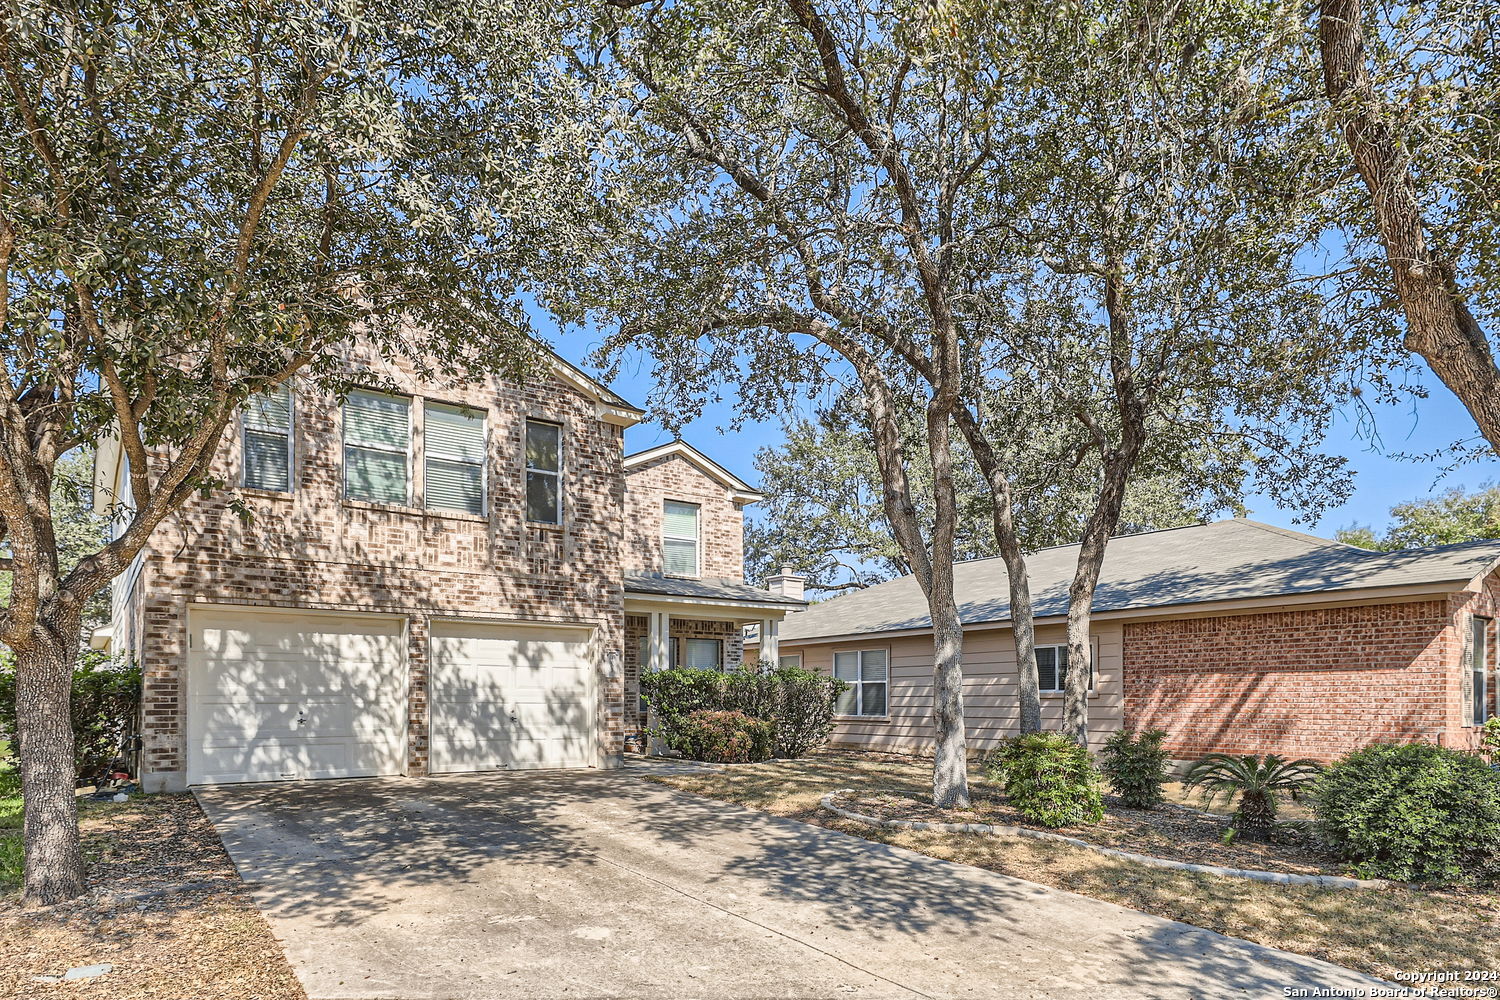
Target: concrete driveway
591,884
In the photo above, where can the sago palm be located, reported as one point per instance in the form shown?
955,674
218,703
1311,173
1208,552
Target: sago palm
1260,783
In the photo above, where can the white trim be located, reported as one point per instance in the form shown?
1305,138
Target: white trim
291,442
740,491
559,473
857,685
639,603
411,437
1093,664
697,538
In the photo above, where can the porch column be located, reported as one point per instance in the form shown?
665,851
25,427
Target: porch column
658,634
770,640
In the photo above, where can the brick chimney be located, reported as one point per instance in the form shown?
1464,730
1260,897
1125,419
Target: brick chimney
786,583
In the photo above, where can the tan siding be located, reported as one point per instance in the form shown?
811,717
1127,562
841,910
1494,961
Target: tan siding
990,688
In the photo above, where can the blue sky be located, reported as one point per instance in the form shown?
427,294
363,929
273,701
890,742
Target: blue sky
1416,426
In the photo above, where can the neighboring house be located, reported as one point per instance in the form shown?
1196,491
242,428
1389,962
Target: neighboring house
1234,637
453,578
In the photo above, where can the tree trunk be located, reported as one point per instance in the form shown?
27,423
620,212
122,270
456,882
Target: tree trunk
950,761
44,684
1439,325
1023,628
1256,816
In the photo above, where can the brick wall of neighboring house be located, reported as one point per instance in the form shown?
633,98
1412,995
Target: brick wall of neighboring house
721,521
1309,683
314,549
636,627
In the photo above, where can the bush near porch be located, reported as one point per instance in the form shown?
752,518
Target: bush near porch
798,704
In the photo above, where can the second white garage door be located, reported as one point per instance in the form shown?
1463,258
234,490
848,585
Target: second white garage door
510,697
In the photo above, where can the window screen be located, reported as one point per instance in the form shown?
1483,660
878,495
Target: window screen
266,437
543,472
377,441
680,538
453,445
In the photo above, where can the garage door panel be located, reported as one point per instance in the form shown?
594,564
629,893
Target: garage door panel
510,697
281,696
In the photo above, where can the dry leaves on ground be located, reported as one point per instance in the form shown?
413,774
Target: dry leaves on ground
165,908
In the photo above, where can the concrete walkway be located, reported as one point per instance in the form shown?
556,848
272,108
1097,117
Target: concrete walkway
590,884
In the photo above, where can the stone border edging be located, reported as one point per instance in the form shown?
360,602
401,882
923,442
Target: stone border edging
1282,878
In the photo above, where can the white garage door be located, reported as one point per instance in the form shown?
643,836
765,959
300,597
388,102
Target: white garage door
510,697
285,696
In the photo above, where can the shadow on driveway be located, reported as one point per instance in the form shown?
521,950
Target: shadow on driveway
597,884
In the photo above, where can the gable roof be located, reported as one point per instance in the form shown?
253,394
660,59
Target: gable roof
1226,560
742,491
611,406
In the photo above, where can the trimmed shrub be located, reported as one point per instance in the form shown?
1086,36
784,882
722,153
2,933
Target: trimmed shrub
1412,812
1135,765
799,704
1048,778
722,737
106,699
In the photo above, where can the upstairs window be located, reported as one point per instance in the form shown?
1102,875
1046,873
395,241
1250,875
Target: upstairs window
377,446
543,472
1052,669
1479,668
266,441
865,671
453,448
679,541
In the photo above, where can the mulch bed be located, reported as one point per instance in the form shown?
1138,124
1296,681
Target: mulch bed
165,908
1169,831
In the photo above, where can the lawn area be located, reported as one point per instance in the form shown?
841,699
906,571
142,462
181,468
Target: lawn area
165,908
1380,932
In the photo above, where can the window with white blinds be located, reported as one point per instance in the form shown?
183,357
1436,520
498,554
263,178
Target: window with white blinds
703,654
680,538
266,441
377,446
1479,669
865,671
453,458
543,472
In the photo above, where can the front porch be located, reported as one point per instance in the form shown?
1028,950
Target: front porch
672,622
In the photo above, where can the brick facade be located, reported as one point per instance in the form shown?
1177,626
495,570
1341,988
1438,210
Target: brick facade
1304,683
316,550
721,525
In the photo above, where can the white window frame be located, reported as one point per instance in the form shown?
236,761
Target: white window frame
1093,665
857,685
410,451
718,643
1479,677
291,448
483,463
527,469
697,538
782,660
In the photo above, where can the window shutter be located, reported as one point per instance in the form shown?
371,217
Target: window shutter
454,446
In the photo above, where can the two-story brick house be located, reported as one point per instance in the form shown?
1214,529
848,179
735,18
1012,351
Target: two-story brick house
457,576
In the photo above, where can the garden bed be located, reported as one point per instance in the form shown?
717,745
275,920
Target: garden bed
1173,832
